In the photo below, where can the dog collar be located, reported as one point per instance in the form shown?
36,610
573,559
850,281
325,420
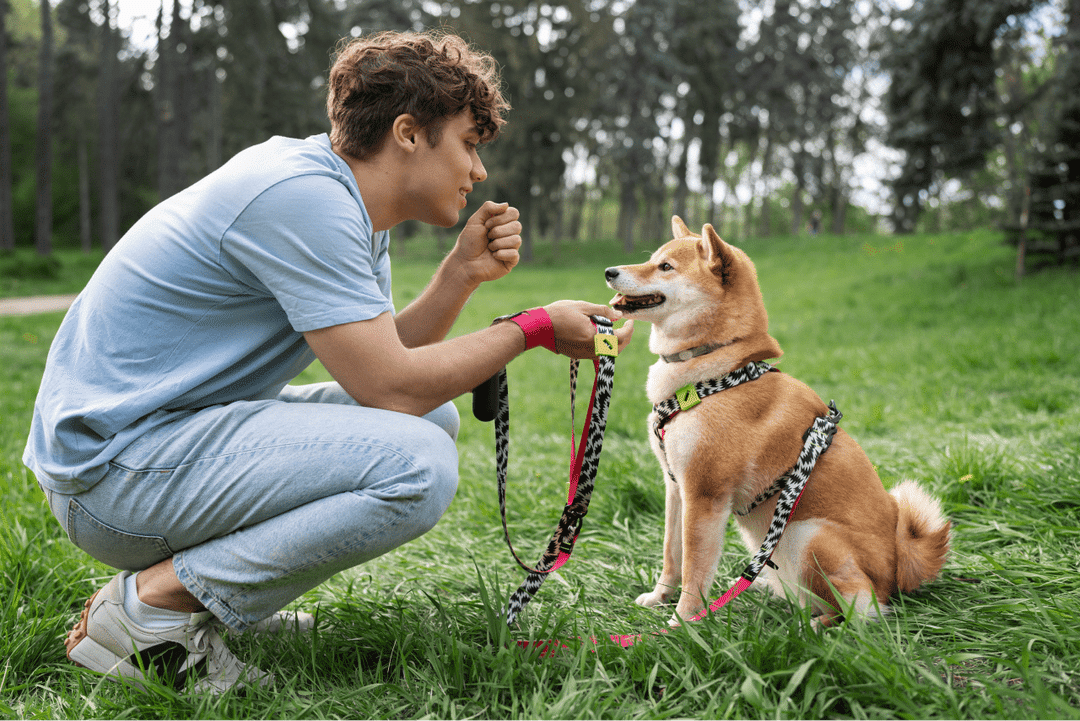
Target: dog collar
685,355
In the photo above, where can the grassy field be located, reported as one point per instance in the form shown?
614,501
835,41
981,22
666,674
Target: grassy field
947,371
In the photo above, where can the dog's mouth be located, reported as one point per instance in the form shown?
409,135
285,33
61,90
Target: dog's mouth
632,303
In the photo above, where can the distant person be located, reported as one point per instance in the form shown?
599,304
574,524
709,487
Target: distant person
815,222
165,436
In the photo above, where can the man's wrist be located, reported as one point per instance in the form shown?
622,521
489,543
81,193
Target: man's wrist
454,271
536,324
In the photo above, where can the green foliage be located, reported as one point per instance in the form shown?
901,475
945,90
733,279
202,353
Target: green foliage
31,267
947,371
965,80
24,272
610,98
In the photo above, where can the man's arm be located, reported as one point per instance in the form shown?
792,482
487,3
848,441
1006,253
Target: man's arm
487,249
374,366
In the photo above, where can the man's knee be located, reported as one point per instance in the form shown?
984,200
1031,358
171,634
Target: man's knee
437,475
445,483
446,417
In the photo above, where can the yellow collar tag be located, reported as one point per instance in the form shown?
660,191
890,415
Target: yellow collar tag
606,344
687,396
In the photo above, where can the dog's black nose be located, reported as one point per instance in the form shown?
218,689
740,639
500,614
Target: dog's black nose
611,273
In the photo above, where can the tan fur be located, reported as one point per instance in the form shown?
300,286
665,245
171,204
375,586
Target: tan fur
849,537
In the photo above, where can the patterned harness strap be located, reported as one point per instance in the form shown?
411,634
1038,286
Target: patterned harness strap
816,440
583,467
691,394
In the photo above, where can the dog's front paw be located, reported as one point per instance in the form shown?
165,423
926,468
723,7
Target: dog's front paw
652,598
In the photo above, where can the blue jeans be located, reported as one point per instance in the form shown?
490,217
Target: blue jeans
259,501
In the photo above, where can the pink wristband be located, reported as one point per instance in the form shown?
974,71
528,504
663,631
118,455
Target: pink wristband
538,328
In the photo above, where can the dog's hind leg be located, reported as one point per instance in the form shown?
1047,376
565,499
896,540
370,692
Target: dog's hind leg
671,574
841,588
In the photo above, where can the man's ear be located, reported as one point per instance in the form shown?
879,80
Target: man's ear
404,132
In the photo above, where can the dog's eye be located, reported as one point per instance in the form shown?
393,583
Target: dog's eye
665,267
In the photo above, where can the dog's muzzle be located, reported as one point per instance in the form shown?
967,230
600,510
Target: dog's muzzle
630,303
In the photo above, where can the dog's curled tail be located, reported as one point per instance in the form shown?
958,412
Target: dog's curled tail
922,536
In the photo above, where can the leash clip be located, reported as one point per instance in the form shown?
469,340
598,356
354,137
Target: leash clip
572,528
576,511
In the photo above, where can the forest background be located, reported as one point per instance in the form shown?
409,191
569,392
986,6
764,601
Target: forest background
763,118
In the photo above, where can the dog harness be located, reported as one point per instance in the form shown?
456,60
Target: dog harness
583,465
815,441
790,486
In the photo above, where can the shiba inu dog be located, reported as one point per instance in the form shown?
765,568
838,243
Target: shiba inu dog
850,544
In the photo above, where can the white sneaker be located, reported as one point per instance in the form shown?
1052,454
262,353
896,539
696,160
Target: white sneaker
296,621
107,640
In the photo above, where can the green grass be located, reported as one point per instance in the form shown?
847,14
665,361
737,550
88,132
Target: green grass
947,371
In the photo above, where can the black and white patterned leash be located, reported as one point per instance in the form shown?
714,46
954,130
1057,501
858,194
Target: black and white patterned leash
584,462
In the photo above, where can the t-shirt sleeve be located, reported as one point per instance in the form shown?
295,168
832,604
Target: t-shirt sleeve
309,243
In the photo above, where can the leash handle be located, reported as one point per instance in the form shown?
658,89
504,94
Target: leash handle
485,400
535,323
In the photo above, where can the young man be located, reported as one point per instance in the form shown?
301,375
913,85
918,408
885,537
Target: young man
165,435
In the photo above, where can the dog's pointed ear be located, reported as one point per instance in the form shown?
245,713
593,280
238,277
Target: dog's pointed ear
678,228
717,254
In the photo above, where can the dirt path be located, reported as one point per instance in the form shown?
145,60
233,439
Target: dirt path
35,304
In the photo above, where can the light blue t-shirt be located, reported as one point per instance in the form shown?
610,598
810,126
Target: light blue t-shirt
204,301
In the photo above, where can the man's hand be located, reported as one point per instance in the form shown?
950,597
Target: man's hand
574,330
487,248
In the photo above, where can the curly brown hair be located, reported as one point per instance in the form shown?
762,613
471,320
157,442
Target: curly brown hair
431,76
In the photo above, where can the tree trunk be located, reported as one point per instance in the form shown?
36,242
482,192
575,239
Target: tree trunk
7,215
839,213
43,229
575,211
108,184
748,209
837,196
167,110
596,216
656,230
765,216
528,228
628,211
214,134
85,230
797,194
682,168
